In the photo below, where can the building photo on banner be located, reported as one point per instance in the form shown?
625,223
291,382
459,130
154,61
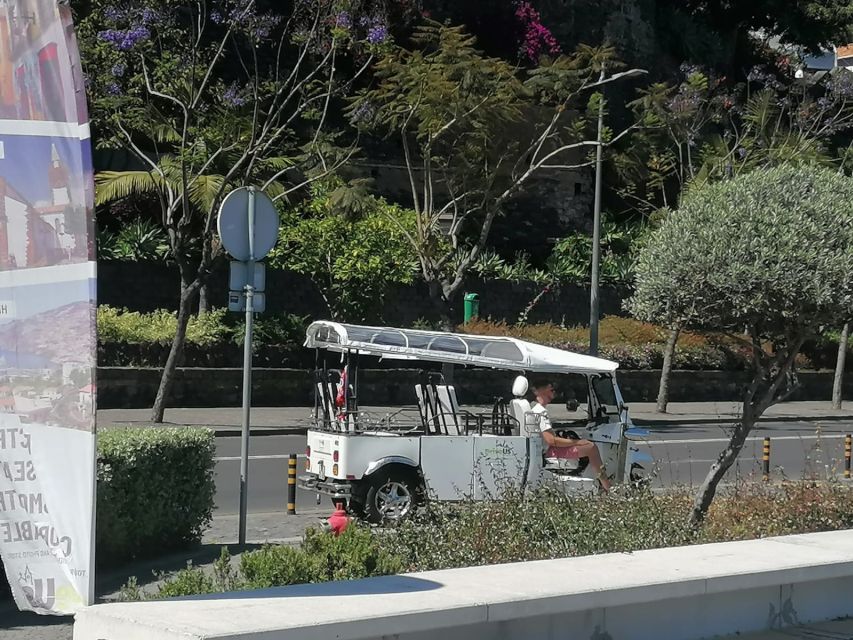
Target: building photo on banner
47,313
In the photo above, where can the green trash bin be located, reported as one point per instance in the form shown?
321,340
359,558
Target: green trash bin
471,307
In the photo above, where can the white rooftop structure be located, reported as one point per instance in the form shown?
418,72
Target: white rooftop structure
457,348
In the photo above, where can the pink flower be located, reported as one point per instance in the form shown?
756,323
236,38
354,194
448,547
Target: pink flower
536,37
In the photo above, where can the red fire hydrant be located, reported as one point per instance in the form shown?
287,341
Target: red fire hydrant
339,520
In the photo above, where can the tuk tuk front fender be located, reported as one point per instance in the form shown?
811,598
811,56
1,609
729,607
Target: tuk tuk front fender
376,465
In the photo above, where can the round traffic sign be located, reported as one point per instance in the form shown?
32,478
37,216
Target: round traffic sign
233,224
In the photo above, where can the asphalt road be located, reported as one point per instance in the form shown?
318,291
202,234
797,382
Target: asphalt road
683,454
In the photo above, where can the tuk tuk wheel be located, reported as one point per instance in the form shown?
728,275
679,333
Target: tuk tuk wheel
391,496
638,476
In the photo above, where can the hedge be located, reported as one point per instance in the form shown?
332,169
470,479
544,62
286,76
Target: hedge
214,339
155,490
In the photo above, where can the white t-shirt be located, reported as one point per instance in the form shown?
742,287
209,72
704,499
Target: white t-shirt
542,414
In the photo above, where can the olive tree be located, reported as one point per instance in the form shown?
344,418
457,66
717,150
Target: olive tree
767,258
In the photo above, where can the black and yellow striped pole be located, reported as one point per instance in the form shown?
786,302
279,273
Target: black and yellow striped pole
848,445
291,484
765,459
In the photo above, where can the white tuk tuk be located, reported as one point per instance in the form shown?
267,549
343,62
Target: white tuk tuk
382,462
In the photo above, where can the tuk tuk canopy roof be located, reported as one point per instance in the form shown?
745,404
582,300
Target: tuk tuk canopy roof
458,348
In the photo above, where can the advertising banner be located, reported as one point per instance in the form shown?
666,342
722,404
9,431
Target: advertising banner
47,312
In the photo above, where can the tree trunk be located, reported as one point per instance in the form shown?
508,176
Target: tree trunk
442,305
838,382
718,470
167,378
203,299
761,394
668,357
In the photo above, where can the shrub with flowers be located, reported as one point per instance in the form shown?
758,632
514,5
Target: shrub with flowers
631,343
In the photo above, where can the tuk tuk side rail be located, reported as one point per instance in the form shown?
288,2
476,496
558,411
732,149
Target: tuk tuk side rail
405,421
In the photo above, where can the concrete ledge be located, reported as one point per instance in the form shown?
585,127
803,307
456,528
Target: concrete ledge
686,592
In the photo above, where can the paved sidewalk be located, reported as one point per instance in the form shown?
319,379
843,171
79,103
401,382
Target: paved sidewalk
289,420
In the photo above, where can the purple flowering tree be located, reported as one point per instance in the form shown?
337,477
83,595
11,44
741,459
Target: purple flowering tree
705,129
209,95
473,131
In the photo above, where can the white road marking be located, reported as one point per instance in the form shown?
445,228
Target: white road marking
281,456
753,439
688,461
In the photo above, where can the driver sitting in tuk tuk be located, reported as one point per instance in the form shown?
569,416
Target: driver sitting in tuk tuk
566,448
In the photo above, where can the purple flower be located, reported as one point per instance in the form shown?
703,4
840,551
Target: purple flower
232,96
363,113
113,89
114,13
365,21
216,17
344,20
118,69
149,16
125,40
377,34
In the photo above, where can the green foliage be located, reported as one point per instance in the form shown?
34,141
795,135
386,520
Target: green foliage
443,91
189,581
322,557
572,256
811,23
274,329
490,265
474,129
771,250
522,527
155,490
276,565
543,524
139,240
633,344
707,128
357,553
353,260
159,327
549,524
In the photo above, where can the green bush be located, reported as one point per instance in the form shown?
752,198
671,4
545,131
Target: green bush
276,565
206,329
357,553
155,490
548,524
631,343
159,327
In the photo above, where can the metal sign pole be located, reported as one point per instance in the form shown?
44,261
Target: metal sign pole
247,371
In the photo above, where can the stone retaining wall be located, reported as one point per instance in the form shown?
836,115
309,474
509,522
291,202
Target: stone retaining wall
120,387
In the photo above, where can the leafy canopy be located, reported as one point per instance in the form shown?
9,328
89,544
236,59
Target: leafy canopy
352,259
771,251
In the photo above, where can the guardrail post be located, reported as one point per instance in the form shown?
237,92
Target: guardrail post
291,484
848,445
765,458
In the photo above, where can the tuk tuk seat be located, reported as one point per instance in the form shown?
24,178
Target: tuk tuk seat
439,408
